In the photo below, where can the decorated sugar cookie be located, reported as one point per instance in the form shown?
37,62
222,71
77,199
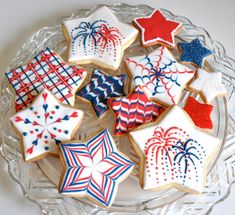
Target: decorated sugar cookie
194,52
93,169
100,89
99,38
44,124
173,152
160,75
156,28
208,84
45,70
199,113
133,110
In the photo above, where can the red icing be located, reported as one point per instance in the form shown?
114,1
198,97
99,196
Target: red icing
157,27
199,113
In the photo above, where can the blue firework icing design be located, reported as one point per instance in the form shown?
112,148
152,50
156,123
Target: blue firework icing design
188,153
96,37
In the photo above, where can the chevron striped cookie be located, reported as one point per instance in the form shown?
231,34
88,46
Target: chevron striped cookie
100,88
93,169
133,110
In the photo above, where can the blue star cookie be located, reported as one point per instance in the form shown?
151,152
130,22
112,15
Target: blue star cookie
194,52
101,88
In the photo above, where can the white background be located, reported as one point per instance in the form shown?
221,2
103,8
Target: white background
19,19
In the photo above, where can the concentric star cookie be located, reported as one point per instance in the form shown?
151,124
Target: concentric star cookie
133,110
160,75
208,84
100,89
93,169
199,113
194,52
156,28
99,38
173,152
45,70
45,124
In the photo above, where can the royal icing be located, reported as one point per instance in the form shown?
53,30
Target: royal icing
209,84
100,38
175,152
199,113
94,168
45,124
194,52
156,28
101,88
46,70
160,75
133,110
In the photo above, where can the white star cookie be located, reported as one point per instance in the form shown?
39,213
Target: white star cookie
160,75
173,152
44,124
99,38
208,84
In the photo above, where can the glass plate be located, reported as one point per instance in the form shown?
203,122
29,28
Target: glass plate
38,179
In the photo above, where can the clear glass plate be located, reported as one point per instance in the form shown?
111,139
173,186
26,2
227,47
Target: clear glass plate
38,179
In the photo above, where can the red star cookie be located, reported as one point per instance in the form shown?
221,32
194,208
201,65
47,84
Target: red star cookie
133,110
157,29
199,113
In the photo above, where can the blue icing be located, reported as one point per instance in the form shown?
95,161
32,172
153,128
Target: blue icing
194,52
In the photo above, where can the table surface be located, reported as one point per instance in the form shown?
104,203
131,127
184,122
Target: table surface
20,19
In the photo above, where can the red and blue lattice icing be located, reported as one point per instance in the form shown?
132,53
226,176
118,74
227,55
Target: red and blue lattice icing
100,38
133,110
176,153
45,124
45,70
94,168
160,75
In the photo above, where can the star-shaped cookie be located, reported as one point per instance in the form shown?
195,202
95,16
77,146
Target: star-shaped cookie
93,169
133,110
199,113
100,88
45,70
160,75
173,152
156,28
99,38
44,124
208,84
194,52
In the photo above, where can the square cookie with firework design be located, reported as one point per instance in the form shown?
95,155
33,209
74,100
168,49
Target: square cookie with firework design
44,124
93,169
99,38
160,75
173,152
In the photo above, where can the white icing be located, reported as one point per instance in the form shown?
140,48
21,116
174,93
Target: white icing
209,84
195,175
35,116
93,47
157,73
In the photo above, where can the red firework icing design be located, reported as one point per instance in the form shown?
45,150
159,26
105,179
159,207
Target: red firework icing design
159,149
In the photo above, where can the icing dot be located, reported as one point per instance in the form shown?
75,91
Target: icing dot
25,134
35,112
51,117
45,136
31,108
59,130
46,141
55,128
31,131
36,129
38,117
57,107
53,112
46,148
